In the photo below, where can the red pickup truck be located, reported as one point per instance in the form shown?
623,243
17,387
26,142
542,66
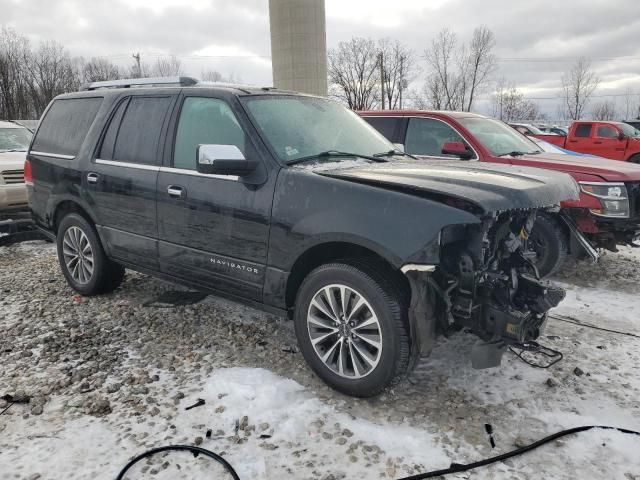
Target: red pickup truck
606,215
614,140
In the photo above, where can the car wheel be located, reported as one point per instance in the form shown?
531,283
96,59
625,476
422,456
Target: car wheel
547,246
82,259
635,158
351,325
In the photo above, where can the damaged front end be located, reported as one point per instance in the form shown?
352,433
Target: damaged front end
483,283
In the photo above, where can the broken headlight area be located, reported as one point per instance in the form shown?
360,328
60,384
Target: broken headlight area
487,285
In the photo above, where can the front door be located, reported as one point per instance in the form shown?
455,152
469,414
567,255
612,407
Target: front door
213,229
121,180
607,142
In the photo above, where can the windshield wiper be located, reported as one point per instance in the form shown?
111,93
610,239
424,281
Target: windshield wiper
13,150
393,153
519,154
333,154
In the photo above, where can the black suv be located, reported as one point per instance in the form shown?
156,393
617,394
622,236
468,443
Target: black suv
293,204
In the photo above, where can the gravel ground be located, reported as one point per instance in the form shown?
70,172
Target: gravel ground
108,377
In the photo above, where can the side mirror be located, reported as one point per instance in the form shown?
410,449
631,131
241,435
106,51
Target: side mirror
621,136
223,160
458,149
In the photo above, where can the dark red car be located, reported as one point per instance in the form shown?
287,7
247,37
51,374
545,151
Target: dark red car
606,215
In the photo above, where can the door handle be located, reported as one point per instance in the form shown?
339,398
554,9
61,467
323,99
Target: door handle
92,177
573,141
176,191
597,143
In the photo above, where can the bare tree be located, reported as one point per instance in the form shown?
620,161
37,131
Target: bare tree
509,104
51,72
605,110
578,85
459,72
353,69
215,76
15,101
167,67
398,68
98,70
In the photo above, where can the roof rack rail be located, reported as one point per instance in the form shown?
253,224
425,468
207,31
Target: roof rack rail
142,82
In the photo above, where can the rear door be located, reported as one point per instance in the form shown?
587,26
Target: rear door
580,139
121,180
214,229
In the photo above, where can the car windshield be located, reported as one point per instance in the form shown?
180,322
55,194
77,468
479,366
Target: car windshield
14,139
298,127
497,137
628,130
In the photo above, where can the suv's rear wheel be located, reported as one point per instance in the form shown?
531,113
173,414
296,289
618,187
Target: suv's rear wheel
350,323
547,245
82,259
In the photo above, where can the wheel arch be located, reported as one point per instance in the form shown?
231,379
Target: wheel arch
65,207
332,251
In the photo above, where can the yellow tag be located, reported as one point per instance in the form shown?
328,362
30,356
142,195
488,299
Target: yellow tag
512,329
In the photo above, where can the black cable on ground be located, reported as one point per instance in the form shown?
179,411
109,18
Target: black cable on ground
457,468
454,468
185,448
576,322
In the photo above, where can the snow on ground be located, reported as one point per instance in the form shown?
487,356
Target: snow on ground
149,363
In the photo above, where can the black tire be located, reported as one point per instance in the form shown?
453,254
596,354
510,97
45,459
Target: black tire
635,158
385,298
550,243
106,275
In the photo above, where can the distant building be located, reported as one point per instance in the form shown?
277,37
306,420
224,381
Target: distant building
299,45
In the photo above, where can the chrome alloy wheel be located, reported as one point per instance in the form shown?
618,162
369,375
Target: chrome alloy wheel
78,255
344,331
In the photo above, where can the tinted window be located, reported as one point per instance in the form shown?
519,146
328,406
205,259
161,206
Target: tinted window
426,136
386,126
205,121
134,132
109,142
65,125
583,130
606,131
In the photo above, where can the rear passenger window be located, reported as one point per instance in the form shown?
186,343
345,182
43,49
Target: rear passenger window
134,131
385,125
205,121
583,130
65,125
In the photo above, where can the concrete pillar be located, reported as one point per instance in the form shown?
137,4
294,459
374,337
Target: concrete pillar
299,45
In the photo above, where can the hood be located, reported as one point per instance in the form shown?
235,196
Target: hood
12,160
608,170
492,187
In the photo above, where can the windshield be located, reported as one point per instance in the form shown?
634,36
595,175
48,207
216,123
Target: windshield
298,127
628,130
17,139
497,137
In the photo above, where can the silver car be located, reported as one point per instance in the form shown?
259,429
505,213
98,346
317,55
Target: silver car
14,142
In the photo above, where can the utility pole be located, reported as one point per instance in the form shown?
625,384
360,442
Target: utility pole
401,83
136,57
381,60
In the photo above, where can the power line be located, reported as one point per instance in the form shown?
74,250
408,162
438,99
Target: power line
562,59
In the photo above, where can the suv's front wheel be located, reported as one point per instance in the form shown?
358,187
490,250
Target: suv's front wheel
350,322
82,259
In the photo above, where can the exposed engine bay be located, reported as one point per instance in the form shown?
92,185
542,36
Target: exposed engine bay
485,284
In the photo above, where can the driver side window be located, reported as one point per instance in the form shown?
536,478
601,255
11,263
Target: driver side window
205,121
426,136
606,131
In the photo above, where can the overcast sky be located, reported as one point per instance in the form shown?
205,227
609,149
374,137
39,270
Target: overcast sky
536,40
